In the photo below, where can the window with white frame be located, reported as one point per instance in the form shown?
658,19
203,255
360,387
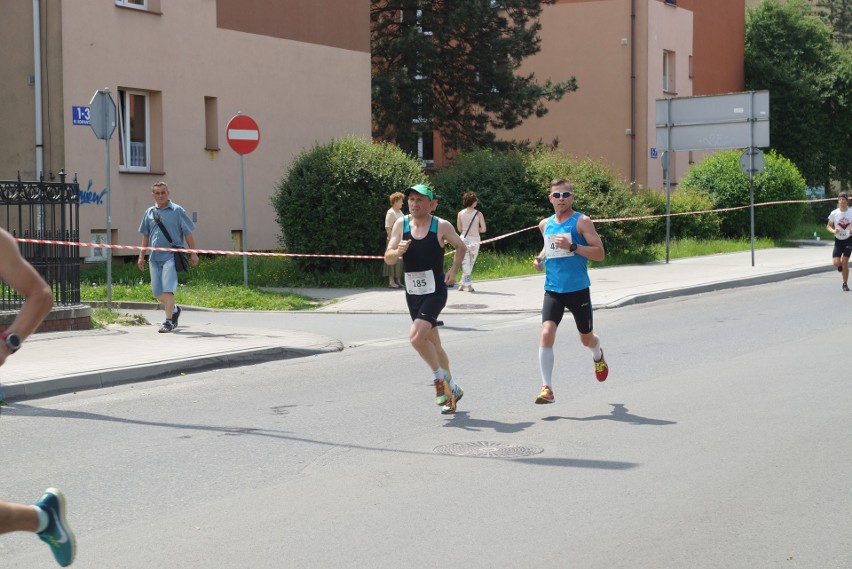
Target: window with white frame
134,129
668,71
141,4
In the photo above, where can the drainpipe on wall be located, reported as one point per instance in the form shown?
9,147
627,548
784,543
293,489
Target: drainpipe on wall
39,136
632,93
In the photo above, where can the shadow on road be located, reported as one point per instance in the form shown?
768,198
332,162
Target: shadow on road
619,413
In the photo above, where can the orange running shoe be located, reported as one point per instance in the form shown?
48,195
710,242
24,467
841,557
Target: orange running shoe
545,396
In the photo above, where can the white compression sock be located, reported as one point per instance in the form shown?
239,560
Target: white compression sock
43,519
545,361
597,354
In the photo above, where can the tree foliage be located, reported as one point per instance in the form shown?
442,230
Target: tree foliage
789,51
838,13
452,66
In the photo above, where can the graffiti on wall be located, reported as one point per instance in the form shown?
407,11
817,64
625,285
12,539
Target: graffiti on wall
89,197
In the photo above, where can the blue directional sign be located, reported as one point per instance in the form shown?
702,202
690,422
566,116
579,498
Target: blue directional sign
80,115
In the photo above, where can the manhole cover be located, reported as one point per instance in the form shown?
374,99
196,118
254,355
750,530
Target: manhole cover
468,306
488,449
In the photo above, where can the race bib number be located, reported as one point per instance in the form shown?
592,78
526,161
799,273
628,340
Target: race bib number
843,233
551,251
420,283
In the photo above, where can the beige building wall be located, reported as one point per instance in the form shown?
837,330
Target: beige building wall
17,91
615,48
669,30
202,65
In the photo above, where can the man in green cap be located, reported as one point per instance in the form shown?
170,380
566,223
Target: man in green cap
419,240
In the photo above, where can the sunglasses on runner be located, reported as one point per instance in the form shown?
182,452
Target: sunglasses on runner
557,195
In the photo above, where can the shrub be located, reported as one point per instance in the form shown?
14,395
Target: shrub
703,226
333,199
514,185
608,200
509,201
721,177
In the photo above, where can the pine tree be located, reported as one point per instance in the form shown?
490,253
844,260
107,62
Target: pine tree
451,66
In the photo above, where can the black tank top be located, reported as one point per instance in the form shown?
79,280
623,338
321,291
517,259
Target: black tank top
424,254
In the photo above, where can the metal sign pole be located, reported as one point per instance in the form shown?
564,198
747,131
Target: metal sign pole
108,209
751,151
245,230
666,156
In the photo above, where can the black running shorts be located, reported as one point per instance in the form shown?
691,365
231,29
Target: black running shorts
578,302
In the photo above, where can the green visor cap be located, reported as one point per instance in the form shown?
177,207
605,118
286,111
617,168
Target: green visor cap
421,189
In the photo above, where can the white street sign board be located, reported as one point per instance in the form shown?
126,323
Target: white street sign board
714,122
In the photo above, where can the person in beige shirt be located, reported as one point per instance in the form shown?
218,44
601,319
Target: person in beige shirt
471,223
393,272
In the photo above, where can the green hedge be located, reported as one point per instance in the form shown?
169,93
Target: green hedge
333,199
704,226
722,179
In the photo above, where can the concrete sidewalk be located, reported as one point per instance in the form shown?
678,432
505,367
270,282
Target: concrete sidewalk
68,361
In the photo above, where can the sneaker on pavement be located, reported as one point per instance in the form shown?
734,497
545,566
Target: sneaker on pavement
166,327
545,395
845,287
601,369
442,388
57,534
450,407
175,316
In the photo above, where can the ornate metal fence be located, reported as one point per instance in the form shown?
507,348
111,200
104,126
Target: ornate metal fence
45,211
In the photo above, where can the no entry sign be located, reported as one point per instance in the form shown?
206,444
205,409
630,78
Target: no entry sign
243,134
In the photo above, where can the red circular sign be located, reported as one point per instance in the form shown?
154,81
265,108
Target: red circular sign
243,134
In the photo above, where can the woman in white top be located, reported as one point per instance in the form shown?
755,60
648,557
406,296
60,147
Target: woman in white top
471,223
393,272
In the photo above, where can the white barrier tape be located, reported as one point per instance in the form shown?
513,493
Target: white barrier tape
491,240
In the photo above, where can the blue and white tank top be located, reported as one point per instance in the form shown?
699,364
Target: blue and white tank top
565,271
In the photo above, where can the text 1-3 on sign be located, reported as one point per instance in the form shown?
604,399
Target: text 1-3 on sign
243,134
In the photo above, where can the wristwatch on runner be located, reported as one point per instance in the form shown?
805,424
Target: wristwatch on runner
13,341
572,247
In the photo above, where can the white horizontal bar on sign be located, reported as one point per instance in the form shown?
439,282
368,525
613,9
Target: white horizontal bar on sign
235,134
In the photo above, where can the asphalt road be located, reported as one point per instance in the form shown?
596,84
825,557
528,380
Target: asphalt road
721,439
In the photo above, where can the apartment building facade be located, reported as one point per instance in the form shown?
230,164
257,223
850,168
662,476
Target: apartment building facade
178,71
626,54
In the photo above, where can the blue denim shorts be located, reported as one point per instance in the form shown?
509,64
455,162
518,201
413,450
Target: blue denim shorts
163,276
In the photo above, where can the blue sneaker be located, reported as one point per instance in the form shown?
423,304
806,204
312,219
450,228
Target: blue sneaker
57,535
456,394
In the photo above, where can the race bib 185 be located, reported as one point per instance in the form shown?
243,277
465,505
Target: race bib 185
422,282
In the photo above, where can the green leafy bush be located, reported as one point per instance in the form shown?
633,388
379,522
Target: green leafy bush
721,177
508,199
513,188
699,226
333,200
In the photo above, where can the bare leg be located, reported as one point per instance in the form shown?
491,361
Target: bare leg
422,337
167,299
17,517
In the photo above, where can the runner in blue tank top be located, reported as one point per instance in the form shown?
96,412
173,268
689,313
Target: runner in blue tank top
570,240
419,240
